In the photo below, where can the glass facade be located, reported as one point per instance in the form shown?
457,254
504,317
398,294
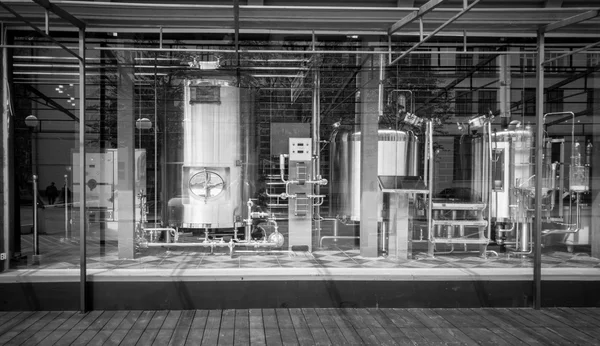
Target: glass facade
298,153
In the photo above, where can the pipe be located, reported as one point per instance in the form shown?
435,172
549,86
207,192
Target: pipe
316,141
36,238
66,207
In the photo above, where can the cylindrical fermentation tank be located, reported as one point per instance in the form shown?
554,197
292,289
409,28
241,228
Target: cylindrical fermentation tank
397,155
512,167
215,155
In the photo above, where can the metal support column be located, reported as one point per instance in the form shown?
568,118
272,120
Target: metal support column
369,189
8,217
82,192
316,140
539,145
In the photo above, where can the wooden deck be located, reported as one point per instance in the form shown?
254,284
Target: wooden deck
550,326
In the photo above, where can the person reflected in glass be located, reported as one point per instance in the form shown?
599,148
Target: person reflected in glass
51,193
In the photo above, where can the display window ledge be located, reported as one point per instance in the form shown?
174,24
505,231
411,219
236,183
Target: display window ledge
300,274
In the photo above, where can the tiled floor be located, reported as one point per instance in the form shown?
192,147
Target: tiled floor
57,254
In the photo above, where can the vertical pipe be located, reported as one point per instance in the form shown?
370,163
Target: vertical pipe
539,104
47,22
82,192
7,166
66,207
316,134
36,243
236,20
525,237
155,140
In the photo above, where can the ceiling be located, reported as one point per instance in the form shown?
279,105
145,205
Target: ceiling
510,18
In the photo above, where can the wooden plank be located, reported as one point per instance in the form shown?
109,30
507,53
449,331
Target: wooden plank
301,327
402,318
9,316
414,335
509,337
575,335
589,312
137,328
257,328
151,331
484,336
434,319
15,321
241,319
242,328
48,328
241,336
284,320
380,333
547,337
182,328
518,332
539,318
286,327
316,329
454,336
273,336
340,316
331,328
18,333
197,328
88,335
570,317
298,319
512,319
594,332
102,336
167,328
429,336
70,336
271,327
360,326
227,328
226,336
396,334
211,331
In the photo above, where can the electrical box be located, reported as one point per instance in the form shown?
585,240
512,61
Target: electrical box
300,149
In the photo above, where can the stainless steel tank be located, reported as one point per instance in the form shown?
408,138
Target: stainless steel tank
512,167
214,157
397,155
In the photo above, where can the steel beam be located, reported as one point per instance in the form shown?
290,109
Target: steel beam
440,28
51,102
579,50
428,7
61,13
39,31
553,3
571,20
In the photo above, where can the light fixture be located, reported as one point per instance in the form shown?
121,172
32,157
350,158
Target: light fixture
32,121
143,124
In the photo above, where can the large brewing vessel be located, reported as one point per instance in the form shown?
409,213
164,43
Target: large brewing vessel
397,155
512,167
215,156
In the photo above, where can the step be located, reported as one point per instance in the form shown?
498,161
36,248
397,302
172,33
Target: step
466,223
458,206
